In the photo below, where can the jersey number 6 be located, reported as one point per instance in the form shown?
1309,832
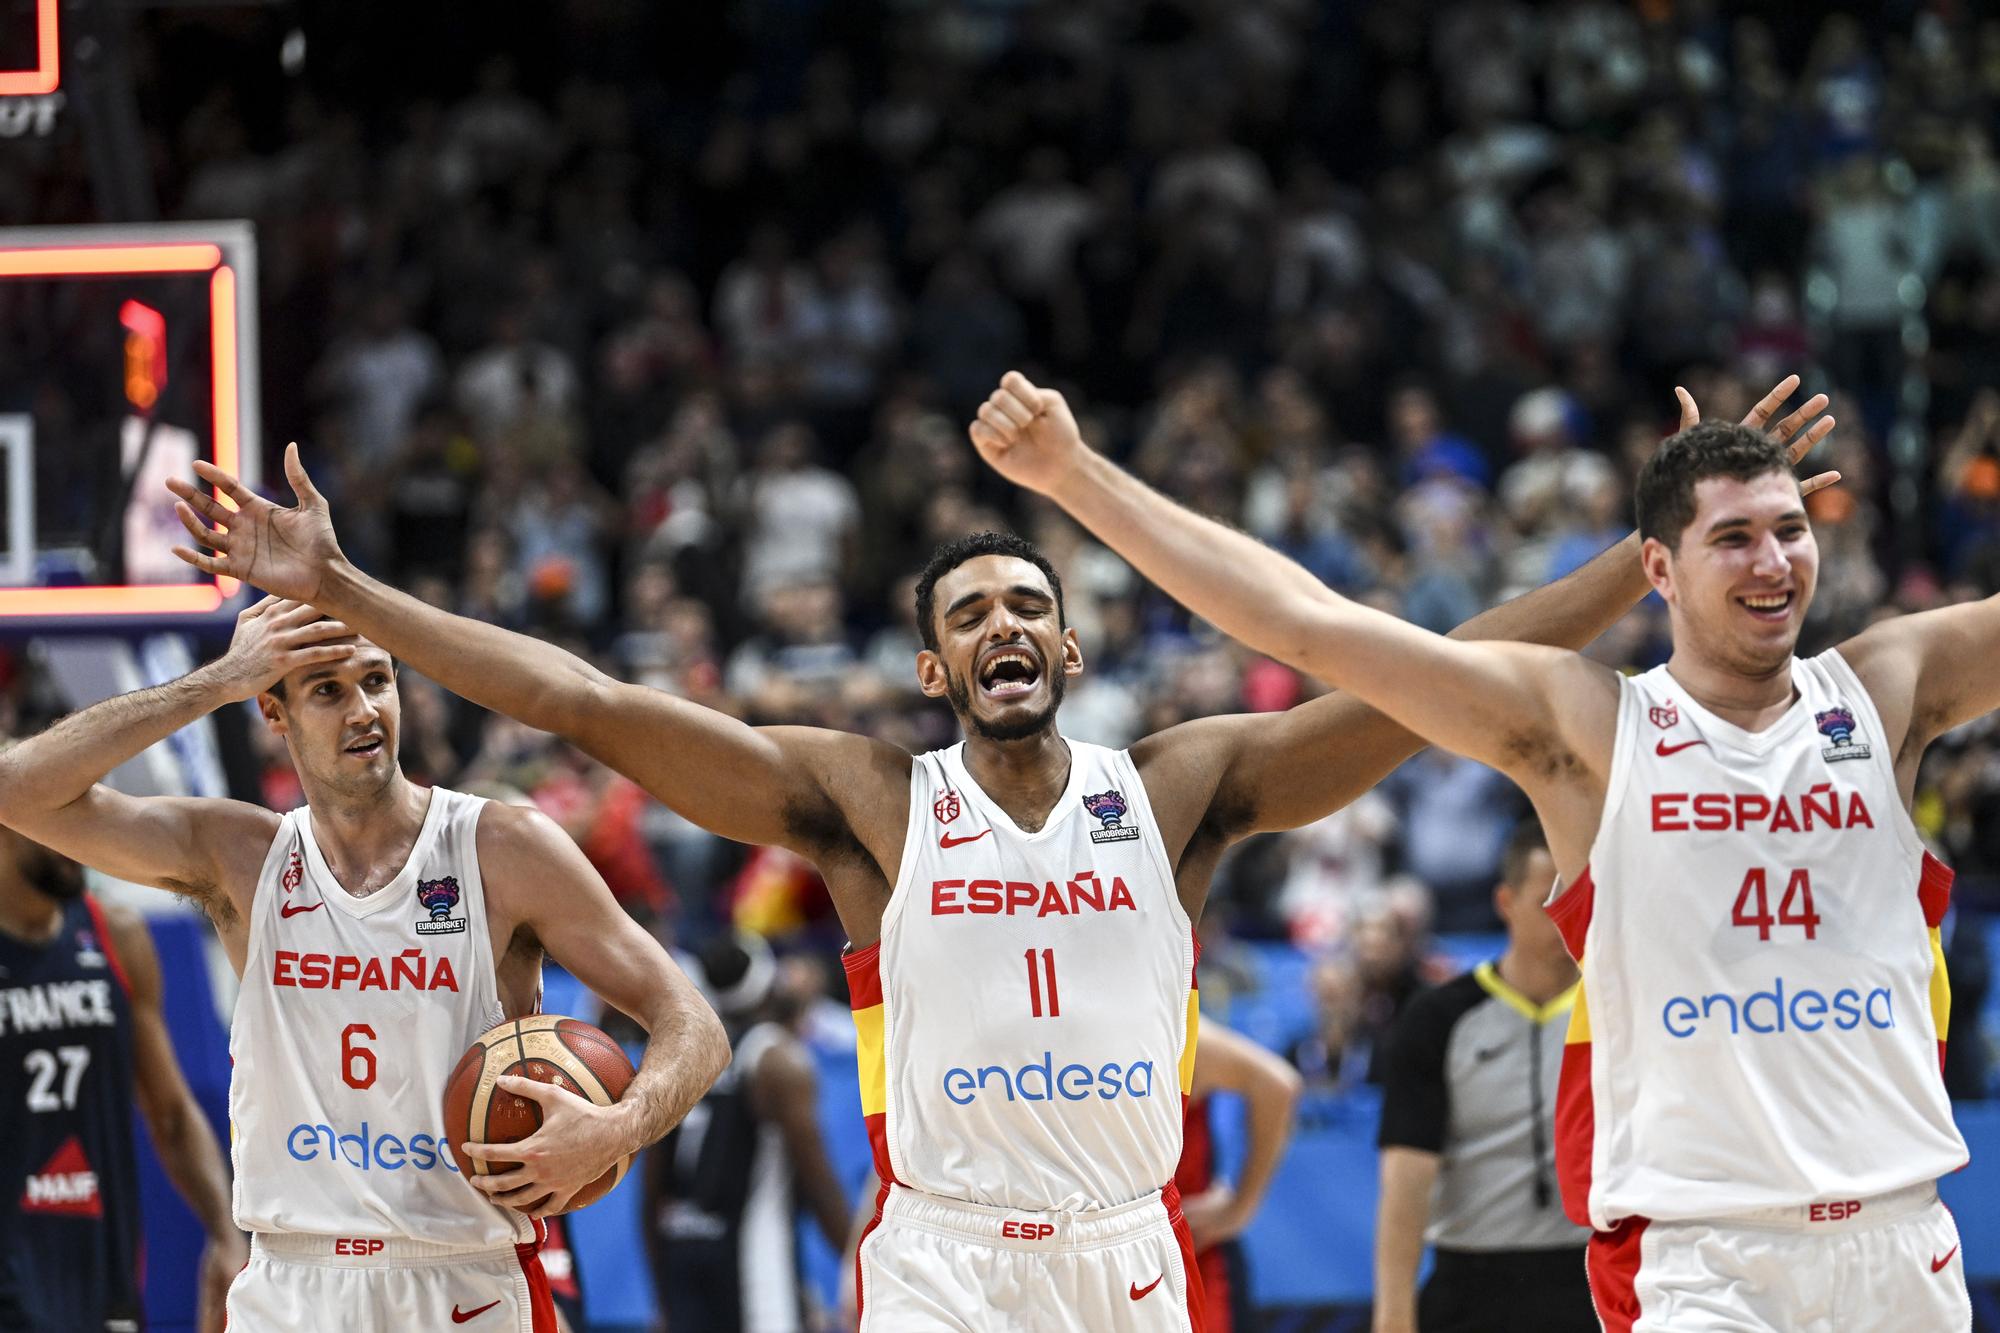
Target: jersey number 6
352,1055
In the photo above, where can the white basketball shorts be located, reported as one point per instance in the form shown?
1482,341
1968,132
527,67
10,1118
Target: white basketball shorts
1887,1264
928,1264
330,1284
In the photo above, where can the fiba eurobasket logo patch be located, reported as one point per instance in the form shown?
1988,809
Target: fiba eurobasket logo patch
439,897
1110,809
1837,725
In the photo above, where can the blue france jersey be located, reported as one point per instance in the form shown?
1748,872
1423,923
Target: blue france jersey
70,1228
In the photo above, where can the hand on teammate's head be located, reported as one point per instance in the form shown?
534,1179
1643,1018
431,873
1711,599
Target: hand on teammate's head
1800,431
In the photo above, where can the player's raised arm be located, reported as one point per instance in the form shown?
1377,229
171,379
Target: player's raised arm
51,788
773,785
1270,769
1518,707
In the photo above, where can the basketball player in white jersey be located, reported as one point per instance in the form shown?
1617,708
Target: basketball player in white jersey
1752,1113
377,929
1020,906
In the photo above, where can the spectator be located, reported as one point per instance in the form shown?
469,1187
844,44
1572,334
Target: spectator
1334,1056
1452,819
801,522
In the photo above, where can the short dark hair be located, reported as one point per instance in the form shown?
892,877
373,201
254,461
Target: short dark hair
1665,494
1526,839
956,552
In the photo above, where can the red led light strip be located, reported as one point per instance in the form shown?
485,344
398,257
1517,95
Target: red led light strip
96,260
47,72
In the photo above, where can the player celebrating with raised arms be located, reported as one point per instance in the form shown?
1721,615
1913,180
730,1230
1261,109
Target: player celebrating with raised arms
378,930
1020,906
1752,1115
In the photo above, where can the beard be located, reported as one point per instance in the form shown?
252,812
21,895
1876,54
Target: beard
53,876
959,692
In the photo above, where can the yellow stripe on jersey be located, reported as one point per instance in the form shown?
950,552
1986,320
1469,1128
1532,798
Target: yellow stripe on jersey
1187,1051
1940,987
869,1060
1579,1019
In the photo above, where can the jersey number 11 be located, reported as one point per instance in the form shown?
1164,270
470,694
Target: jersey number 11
1041,980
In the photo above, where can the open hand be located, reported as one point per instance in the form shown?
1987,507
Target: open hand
274,638
1793,432
1028,435
286,552
578,1142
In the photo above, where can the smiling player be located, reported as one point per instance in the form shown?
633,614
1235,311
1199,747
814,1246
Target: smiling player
1020,906
1752,1114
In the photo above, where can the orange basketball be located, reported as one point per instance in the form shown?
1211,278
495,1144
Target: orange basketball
550,1048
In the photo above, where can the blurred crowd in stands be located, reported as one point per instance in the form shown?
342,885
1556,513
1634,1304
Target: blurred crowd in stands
657,336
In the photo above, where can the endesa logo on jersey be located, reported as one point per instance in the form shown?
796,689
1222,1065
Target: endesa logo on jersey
1780,1009
365,1151
1046,1081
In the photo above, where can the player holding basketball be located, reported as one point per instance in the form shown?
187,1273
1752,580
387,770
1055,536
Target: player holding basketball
1020,906
1753,1064
378,930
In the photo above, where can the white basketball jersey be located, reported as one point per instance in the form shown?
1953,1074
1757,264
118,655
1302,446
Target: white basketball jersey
1027,1020
352,1013
1764,1002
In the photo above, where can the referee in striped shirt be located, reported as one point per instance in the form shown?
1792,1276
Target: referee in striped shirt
1468,1114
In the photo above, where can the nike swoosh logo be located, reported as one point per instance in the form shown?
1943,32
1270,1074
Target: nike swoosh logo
459,1316
1139,1292
293,909
1490,1053
1937,1265
947,841
1663,749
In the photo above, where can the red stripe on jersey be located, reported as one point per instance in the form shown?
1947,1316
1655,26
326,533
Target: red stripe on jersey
1612,1266
1195,980
1571,913
1197,1303
1941,1056
1196,1171
105,944
864,976
878,1145
1934,889
1576,1132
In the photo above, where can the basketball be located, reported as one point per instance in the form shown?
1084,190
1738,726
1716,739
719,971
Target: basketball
551,1048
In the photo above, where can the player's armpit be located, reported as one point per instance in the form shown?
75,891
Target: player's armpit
1535,713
